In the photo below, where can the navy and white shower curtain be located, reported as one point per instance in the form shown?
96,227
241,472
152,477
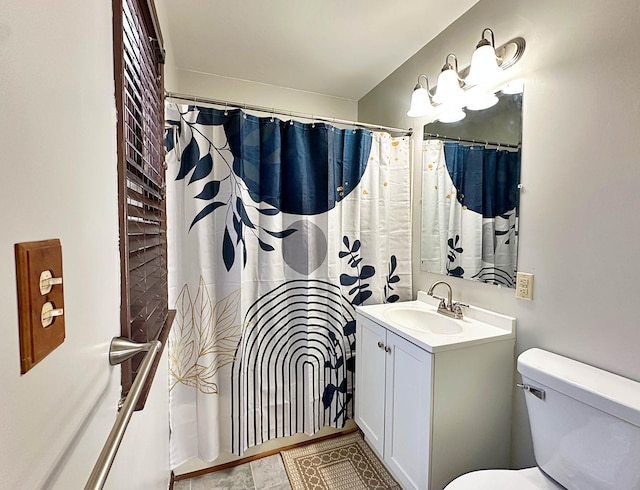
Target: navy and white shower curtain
277,231
470,211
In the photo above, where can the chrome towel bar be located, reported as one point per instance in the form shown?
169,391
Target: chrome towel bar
122,349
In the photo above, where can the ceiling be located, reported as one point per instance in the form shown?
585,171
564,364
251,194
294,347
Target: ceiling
342,48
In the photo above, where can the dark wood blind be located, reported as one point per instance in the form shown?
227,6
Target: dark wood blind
143,239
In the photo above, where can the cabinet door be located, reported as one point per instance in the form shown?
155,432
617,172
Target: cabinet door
370,382
408,412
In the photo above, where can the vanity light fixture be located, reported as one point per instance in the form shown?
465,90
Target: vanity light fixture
472,87
420,99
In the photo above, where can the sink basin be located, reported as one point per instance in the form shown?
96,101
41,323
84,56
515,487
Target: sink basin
423,320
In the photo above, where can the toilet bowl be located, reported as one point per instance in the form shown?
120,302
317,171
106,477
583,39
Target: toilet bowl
528,479
585,427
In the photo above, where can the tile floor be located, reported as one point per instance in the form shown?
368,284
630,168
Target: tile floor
262,474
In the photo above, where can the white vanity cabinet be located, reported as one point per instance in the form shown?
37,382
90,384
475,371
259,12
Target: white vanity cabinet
432,414
393,400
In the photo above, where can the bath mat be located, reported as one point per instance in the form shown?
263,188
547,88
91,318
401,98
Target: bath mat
345,462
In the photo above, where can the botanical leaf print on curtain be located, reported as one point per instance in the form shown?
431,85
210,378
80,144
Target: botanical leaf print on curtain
277,231
470,211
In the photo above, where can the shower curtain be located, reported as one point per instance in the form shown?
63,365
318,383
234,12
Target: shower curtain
470,211
277,231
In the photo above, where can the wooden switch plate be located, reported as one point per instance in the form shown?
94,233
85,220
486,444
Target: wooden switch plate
36,341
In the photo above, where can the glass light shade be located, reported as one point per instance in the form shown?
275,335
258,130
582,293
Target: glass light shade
480,100
420,103
450,113
484,66
449,90
513,87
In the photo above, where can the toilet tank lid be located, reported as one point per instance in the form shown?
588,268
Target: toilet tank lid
611,393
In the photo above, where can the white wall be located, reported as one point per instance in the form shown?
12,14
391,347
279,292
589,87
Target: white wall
213,86
57,127
579,227
260,94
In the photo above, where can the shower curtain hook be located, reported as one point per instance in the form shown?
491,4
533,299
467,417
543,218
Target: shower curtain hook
290,119
244,112
313,121
273,114
226,112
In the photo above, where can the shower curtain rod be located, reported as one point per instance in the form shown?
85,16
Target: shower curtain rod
269,110
471,141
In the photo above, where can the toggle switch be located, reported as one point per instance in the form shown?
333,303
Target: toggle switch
40,300
49,313
47,281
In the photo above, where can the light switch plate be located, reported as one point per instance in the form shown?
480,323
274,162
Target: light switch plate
524,285
37,341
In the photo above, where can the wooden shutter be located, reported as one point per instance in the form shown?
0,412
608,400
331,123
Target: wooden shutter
143,239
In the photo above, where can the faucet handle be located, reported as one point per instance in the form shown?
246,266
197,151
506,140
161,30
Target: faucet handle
443,302
456,309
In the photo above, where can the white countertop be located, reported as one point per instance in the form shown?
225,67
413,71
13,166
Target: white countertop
479,326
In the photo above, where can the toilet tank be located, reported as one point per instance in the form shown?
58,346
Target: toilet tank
586,430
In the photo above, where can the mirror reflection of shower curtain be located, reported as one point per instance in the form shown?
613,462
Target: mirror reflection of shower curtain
470,211
277,231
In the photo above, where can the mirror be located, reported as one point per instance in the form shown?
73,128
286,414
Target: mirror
470,194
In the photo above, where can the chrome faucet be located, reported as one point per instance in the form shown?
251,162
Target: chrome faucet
447,307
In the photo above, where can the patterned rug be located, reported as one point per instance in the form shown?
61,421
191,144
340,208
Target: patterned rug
342,463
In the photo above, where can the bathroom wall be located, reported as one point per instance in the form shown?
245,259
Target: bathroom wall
57,127
260,94
207,85
579,225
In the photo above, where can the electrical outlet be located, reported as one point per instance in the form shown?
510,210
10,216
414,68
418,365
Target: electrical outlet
524,285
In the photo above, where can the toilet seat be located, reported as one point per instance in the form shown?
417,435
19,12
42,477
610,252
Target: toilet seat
527,479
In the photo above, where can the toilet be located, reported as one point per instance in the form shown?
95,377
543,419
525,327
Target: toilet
585,426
